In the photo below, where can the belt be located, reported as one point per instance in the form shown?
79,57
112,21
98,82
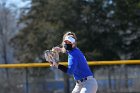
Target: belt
84,79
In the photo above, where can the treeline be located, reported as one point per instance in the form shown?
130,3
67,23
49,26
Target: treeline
106,29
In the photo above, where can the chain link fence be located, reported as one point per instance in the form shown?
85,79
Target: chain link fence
111,79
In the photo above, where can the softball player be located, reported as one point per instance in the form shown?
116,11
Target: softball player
77,66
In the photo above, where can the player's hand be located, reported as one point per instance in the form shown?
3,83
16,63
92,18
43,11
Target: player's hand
57,49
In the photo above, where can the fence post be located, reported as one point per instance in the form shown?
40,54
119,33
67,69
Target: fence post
26,82
66,84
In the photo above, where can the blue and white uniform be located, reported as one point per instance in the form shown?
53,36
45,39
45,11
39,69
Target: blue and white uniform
77,64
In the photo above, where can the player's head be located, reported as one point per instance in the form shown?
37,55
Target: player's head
69,41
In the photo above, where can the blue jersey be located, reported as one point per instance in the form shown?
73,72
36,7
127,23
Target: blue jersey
77,65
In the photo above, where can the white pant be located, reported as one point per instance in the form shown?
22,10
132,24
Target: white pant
88,86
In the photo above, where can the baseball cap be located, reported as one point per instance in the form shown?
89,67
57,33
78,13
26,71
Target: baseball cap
70,38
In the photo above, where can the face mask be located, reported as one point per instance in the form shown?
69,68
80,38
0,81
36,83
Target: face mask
68,46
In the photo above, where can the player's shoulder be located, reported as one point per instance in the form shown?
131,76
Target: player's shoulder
75,51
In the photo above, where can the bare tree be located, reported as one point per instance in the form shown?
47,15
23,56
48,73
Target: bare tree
7,31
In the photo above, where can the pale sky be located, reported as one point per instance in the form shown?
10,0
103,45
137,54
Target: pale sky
18,3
